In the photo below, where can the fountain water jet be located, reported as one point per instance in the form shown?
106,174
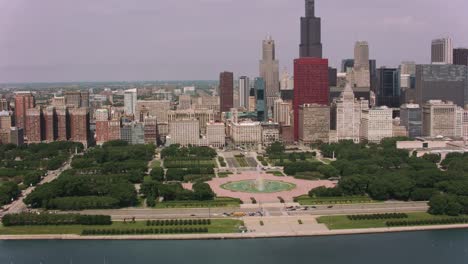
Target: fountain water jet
260,184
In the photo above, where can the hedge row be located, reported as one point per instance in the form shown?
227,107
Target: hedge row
178,222
441,221
25,219
378,216
146,231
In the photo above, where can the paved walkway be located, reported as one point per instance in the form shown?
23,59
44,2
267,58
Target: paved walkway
302,187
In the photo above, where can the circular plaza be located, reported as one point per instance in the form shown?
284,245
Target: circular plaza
264,187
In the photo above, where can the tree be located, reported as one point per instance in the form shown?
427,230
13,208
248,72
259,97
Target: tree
275,148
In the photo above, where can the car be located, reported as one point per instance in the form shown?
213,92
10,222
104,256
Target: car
330,206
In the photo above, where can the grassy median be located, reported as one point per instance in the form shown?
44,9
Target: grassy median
220,226
343,222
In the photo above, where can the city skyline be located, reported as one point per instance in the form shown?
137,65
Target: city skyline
122,41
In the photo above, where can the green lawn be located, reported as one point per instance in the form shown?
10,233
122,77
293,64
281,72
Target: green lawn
217,226
241,160
218,202
342,221
276,173
307,200
156,164
224,174
188,163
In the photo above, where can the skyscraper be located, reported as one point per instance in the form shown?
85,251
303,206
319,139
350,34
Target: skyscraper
361,69
388,88
226,91
130,101
310,85
442,51
460,56
260,99
34,125
311,40
23,101
79,125
244,91
441,82
269,71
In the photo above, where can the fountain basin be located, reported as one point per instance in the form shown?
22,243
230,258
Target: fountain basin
253,186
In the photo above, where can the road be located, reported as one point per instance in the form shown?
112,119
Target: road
18,205
269,210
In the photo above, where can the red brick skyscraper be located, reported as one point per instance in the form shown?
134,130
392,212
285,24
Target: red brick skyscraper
79,125
226,91
23,101
34,125
310,85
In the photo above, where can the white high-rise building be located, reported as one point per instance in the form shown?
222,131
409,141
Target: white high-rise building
184,132
377,124
442,119
244,91
347,113
216,134
442,51
130,101
287,81
282,112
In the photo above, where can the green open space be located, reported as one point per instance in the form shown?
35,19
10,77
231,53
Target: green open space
343,222
241,161
307,200
224,174
276,173
216,226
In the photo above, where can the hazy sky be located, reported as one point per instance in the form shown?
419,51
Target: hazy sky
107,40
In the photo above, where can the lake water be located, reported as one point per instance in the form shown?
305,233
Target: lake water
431,247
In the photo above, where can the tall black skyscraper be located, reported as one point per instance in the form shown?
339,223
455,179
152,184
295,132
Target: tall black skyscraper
311,45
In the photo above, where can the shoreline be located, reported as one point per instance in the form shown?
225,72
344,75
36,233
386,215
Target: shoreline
252,235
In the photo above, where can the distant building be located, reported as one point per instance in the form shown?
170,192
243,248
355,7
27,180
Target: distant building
376,124
361,70
282,112
460,56
75,99
411,119
388,88
4,105
314,123
346,114
16,136
442,119
226,91
442,82
63,123
23,102
185,102
216,134
442,51
260,102
310,85
34,125
184,132
79,125
311,34
270,133
102,126
247,133
51,123
156,108
130,101
5,127
151,130
244,91
202,116
114,130
133,133
269,72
